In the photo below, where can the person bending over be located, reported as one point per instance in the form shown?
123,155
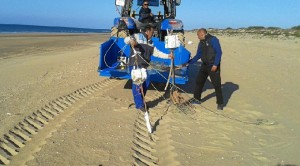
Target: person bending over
142,43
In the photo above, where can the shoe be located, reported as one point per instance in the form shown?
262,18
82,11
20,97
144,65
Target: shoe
220,107
143,109
195,102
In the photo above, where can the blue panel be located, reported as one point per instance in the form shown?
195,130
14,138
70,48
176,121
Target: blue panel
151,2
103,48
110,50
182,55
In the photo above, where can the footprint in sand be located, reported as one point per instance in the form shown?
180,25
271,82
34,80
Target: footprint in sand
259,156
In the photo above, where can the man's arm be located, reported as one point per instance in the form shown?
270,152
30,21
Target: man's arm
217,47
160,54
130,40
197,56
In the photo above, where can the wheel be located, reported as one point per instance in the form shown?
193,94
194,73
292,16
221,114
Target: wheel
115,32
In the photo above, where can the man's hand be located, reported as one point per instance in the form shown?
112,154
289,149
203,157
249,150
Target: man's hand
130,40
214,68
185,64
171,56
133,42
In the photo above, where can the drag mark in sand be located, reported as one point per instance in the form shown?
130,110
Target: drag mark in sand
26,138
167,151
153,149
143,142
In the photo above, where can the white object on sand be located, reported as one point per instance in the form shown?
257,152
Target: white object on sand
148,122
190,42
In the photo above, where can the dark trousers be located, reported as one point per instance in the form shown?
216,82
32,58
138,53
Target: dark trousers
215,78
137,93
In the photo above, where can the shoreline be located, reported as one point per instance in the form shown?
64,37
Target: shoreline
24,44
42,34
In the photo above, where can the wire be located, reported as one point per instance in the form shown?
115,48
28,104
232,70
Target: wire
257,122
118,11
104,58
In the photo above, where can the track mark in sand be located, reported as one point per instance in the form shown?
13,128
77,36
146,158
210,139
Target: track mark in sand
27,137
143,142
166,150
153,149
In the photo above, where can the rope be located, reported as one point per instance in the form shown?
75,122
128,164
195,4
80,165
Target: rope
142,91
122,49
257,122
169,77
118,11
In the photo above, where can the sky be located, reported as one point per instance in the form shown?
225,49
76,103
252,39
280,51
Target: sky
99,14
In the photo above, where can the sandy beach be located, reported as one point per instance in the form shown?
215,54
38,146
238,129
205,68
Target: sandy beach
83,119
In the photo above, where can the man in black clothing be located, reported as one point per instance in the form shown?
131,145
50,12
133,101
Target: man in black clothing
210,52
145,15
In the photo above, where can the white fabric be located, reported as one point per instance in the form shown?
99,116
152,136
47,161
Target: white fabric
127,40
147,119
140,38
172,41
138,75
160,54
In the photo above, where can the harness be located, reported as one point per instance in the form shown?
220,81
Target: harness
139,75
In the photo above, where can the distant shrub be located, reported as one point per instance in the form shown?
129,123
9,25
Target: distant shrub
255,28
297,33
296,27
228,28
273,28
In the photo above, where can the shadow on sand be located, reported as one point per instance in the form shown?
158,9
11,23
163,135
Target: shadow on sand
228,88
158,86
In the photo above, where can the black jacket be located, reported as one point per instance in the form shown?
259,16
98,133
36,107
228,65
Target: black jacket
144,15
145,55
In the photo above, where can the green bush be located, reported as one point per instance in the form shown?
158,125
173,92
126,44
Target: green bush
255,28
296,27
273,28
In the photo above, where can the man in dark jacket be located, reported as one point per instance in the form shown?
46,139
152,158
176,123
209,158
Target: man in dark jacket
145,15
210,52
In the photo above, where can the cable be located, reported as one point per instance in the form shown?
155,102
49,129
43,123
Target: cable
104,58
257,122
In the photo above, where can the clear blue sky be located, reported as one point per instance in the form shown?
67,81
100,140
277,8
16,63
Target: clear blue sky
194,13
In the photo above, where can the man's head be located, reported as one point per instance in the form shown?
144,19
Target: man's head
149,31
145,4
201,33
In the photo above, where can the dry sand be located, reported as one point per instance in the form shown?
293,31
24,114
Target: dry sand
261,85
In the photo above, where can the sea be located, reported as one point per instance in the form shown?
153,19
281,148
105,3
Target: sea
17,28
